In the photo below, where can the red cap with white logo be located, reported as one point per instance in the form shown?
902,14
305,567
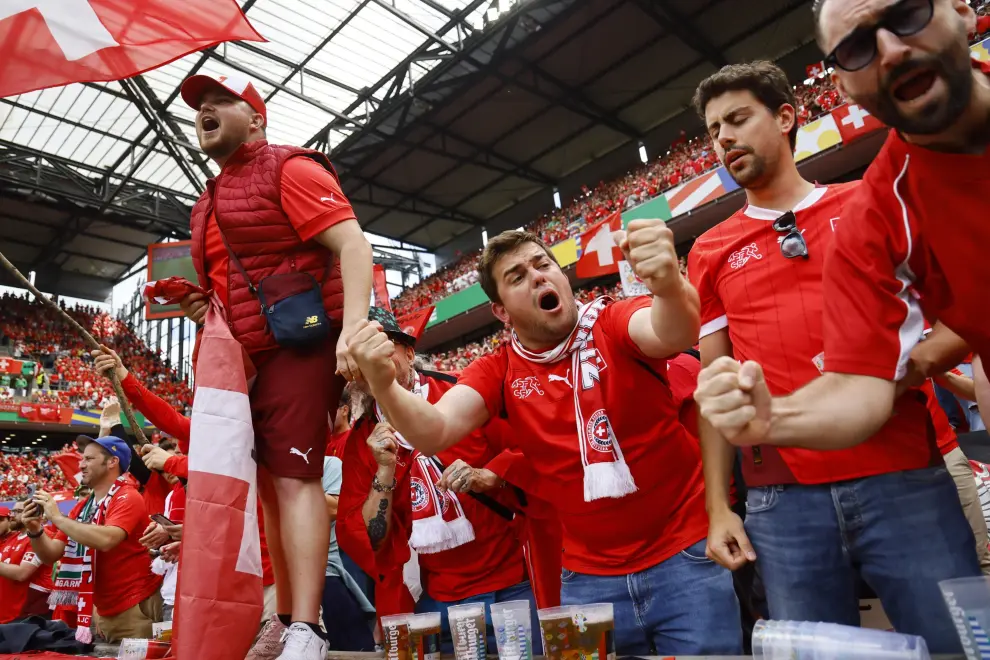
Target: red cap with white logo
194,87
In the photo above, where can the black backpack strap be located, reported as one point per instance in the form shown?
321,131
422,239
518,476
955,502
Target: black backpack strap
436,375
497,507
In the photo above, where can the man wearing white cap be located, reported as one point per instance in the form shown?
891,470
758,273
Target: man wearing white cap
274,237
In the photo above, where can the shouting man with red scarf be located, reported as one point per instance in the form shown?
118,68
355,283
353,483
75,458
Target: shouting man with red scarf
395,498
587,389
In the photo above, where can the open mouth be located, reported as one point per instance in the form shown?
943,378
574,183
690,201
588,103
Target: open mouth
210,124
914,85
734,155
549,301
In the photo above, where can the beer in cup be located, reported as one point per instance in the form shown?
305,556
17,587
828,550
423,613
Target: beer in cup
424,636
557,629
395,637
513,630
468,631
574,632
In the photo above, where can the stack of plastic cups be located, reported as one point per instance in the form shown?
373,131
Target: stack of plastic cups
968,600
513,630
805,640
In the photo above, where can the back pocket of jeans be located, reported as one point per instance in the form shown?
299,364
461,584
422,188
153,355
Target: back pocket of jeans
761,498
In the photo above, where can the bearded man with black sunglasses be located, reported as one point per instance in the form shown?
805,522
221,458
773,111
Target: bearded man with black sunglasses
818,521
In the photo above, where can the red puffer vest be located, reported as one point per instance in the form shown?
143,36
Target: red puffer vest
246,201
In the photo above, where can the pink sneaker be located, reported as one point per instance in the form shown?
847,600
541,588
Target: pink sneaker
269,645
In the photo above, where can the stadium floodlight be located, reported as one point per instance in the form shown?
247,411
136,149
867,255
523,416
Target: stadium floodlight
484,237
642,153
556,198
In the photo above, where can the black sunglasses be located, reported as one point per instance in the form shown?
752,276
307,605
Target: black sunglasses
859,47
792,245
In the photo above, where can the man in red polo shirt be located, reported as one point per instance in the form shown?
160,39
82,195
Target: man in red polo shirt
919,225
395,499
759,276
627,485
275,223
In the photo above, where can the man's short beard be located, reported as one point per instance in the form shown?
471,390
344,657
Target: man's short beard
16,525
953,66
749,176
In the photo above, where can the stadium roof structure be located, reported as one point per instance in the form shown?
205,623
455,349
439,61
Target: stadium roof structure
441,115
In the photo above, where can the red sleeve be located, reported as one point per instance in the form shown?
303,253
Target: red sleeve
713,317
128,512
871,320
682,374
178,465
615,323
312,198
486,376
158,411
58,534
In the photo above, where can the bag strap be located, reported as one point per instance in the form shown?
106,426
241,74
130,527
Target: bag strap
497,507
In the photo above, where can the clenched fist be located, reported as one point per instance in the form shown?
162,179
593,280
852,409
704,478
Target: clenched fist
734,398
383,445
372,350
648,246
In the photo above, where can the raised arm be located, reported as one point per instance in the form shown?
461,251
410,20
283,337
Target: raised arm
377,508
427,427
19,572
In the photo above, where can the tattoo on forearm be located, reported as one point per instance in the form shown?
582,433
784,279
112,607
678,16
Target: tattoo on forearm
378,525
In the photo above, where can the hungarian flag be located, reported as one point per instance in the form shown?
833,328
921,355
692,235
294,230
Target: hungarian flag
219,600
414,324
69,464
379,288
46,43
815,70
855,122
599,253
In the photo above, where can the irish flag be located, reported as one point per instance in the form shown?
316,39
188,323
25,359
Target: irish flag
219,604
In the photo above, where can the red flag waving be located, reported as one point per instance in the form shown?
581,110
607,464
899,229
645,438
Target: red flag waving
815,70
855,122
220,592
599,253
46,43
414,324
379,288
69,463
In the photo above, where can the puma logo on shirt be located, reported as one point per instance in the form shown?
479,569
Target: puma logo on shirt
566,378
305,457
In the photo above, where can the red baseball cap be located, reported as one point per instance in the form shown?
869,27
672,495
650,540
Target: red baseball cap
4,512
194,87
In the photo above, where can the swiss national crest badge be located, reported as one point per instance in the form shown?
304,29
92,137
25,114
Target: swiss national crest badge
420,498
523,387
600,434
740,257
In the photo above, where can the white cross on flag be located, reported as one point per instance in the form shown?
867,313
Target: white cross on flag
854,122
599,253
47,43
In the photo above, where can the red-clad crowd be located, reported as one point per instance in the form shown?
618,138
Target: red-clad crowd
33,331
686,159
17,471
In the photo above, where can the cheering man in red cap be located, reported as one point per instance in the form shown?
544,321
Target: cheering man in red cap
275,227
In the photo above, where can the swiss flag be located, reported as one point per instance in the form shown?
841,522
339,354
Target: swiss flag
599,253
219,598
855,122
414,324
69,464
815,70
46,43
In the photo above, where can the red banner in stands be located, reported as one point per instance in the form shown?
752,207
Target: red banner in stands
414,324
11,366
28,411
379,289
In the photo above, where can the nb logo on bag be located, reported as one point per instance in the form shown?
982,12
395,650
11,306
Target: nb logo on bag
311,321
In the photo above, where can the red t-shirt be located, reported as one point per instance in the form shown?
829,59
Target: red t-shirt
772,307
122,576
682,372
920,222
311,199
16,550
608,536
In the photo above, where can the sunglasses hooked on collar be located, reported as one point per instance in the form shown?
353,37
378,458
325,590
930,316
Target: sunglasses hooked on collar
858,48
792,244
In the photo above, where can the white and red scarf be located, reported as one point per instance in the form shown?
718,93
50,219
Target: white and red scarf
77,568
438,522
605,471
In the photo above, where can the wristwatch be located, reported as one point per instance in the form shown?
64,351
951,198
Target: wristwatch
35,536
380,487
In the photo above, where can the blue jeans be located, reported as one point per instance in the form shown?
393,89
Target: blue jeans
521,591
902,533
684,605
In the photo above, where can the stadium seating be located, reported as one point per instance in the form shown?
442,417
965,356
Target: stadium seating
686,159
19,470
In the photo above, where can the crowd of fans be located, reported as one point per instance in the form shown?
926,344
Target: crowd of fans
34,332
18,471
686,159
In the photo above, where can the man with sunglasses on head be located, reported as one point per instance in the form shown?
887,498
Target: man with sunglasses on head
818,520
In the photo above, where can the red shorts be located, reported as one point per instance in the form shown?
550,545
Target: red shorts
293,402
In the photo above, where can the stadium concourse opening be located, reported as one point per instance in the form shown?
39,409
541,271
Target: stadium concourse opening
447,123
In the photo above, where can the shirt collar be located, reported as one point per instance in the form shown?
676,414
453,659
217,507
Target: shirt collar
759,213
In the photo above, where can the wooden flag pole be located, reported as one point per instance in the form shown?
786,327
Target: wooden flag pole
95,345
